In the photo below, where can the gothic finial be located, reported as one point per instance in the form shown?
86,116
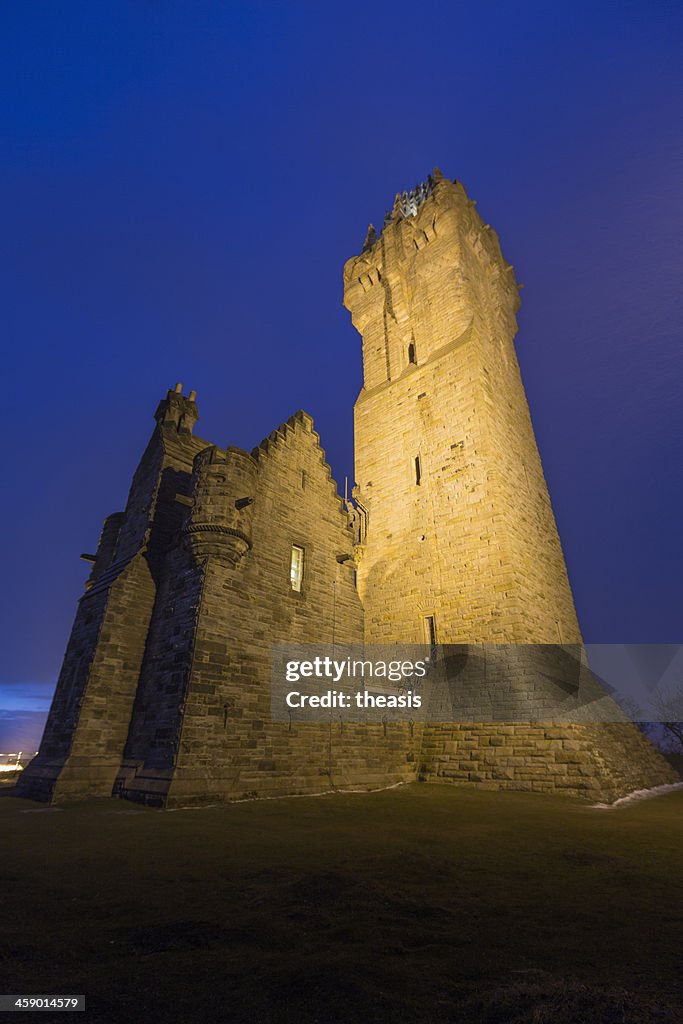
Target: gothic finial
370,238
437,175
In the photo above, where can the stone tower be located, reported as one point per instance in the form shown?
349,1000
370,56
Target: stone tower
461,543
456,539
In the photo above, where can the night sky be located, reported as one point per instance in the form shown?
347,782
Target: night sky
182,183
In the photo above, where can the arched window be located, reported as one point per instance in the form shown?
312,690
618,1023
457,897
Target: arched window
411,353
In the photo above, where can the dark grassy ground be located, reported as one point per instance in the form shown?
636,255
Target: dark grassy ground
421,904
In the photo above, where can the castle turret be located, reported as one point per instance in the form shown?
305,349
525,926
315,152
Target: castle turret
457,541
461,541
177,412
224,486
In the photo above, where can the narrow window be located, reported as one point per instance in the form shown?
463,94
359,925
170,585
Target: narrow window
296,574
303,479
411,353
430,630
418,470
429,624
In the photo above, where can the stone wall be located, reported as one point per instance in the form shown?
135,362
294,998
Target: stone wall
86,730
474,543
457,520
243,602
165,692
599,762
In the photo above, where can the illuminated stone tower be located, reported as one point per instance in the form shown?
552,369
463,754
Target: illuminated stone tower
459,541
456,541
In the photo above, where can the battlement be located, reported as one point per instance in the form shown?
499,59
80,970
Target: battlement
406,204
435,275
413,212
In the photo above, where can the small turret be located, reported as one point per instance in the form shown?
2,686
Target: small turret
176,412
224,487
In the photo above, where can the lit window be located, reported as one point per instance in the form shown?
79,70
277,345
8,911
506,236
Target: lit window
430,630
429,623
296,574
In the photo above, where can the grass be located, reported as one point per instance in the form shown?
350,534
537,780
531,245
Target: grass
421,904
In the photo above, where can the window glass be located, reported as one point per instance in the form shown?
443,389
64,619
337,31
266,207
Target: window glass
297,568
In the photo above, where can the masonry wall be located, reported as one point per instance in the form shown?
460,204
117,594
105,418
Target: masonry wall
164,696
568,737
468,535
600,762
475,542
201,729
80,753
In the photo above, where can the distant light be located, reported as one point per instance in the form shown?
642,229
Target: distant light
15,765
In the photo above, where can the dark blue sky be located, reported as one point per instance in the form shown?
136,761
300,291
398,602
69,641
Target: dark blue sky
183,182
